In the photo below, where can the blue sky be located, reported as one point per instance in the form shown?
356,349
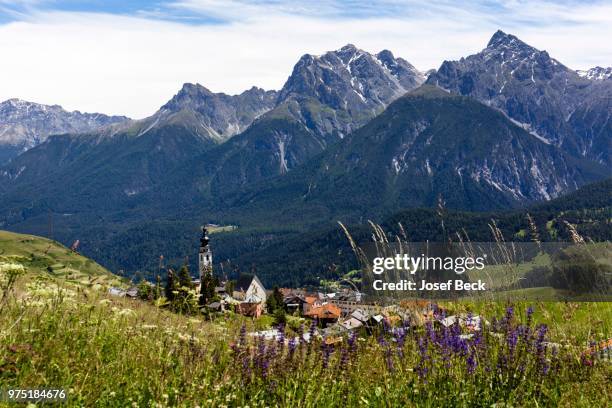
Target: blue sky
129,57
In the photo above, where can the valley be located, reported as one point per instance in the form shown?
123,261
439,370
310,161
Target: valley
352,136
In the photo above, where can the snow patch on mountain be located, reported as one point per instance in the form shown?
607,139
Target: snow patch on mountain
596,73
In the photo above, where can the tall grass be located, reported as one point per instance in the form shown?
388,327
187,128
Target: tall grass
120,352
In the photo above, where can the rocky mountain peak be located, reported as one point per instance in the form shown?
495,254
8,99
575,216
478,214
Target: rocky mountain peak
211,115
189,95
21,107
351,76
501,39
596,73
325,98
347,49
509,48
387,58
545,97
25,124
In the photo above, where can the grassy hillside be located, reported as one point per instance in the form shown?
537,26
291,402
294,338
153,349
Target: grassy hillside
42,257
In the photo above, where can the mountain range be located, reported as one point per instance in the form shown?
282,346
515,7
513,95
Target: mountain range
427,145
351,135
561,106
24,125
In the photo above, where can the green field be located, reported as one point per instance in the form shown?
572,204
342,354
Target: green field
44,257
221,228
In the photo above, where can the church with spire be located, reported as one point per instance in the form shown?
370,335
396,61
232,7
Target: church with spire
205,255
208,283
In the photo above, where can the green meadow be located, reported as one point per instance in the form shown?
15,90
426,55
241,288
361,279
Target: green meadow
59,328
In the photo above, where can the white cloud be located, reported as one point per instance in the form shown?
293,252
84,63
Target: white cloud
132,65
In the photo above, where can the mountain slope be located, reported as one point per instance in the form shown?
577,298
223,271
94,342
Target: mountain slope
426,145
326,253
325,98
24,125
563,107
215,116
106,168
354,84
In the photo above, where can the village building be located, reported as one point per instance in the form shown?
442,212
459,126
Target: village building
309,303
250,309
325,314
253,300
294,303
256,293
352,323
360,315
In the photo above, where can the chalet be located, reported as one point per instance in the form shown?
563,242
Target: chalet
376,319
360,315
374,322
352,324
326,313
294,303
309,303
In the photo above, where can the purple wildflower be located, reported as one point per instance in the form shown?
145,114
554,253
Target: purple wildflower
529,314
400,336
242,338
344,358
541,349
352,342
325,352
389,359
281,338
471,363
511,340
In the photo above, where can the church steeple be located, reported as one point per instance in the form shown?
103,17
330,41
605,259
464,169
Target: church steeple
205,256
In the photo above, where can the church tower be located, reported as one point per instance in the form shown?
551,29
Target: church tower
205,257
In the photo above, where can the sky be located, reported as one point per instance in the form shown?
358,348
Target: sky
130,57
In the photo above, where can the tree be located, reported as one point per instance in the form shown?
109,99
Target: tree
184,278
138,277
230,285
576,269
280,317
184,296
275,301
207,288
170,285
145,290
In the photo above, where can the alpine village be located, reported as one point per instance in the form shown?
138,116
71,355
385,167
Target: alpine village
334,313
